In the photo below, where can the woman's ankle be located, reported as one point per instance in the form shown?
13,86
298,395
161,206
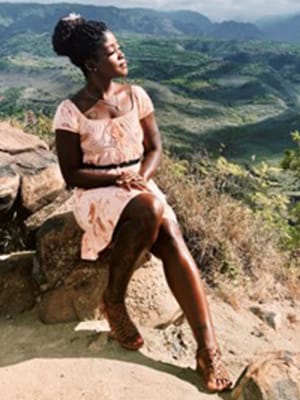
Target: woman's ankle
109,298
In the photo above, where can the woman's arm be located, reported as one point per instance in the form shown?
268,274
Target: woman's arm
70,160
152,146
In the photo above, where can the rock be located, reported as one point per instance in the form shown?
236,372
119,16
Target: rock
9,183
77,299
41,188
17,289
73,287
272,318
149,298
28,167
58,249
257,332
36,220
275,376
13,140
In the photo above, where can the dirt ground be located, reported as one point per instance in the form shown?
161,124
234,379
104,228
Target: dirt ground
77,361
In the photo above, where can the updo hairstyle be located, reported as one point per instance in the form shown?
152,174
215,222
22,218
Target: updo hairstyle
78,39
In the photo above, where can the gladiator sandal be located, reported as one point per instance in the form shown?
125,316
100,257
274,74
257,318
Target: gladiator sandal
211,369
122,328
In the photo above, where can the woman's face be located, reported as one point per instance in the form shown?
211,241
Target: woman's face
111,60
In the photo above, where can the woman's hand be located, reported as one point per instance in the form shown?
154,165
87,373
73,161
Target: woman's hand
131,180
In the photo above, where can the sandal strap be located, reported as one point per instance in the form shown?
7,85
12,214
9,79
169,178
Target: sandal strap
119,320
209,361
121,326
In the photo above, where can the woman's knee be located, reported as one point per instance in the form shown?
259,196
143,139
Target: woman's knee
146,209
170,232
169,241
150,208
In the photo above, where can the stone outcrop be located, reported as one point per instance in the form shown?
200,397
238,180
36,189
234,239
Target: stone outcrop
71,289
275,376
269,315
9,183
28,168
14,140
17,290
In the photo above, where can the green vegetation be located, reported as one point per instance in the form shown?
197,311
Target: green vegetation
225,235
291,158
10,104
241,97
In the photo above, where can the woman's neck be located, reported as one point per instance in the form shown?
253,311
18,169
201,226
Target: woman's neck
102,89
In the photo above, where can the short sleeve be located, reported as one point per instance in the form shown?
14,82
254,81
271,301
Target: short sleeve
144,102
66,117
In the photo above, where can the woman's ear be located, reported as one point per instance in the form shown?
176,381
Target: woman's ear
90,66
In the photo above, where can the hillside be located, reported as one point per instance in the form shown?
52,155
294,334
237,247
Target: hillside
282,29
238,97
38,18
20,18
231,30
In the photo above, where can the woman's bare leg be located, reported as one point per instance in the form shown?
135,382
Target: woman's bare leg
136,232
184,280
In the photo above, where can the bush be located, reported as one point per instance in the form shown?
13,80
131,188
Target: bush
225,236
291,159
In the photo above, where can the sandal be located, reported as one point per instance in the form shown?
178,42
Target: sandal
122,328
211,369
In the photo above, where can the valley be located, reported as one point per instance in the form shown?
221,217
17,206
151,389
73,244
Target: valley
222,97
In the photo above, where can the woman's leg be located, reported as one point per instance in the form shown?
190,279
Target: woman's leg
184,280
135,233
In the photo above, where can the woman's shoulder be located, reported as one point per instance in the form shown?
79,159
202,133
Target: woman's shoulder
144,102
138,90
66,116
67,104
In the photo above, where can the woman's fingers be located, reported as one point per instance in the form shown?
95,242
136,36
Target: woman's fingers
130,179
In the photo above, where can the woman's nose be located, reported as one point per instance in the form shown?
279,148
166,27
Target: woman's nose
121,54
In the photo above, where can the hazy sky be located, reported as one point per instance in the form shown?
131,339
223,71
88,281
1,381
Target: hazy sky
216,10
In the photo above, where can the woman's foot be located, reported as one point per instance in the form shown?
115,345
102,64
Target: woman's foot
211,369
121,327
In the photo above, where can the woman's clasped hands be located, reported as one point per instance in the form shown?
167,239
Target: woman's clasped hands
131,180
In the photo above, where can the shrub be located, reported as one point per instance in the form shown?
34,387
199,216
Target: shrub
225,236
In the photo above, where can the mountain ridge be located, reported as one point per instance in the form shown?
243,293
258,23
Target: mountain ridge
21,17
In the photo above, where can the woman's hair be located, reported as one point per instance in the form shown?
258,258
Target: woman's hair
78,39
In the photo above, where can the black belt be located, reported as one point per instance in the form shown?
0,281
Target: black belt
111,166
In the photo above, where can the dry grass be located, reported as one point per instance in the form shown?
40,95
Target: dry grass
225,237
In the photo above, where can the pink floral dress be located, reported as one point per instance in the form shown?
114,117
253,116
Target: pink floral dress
107,141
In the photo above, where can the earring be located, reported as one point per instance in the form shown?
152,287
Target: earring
91,69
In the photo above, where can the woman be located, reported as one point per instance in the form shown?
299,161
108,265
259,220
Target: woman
109,147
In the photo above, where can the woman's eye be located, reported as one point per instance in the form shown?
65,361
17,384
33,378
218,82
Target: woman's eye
118,48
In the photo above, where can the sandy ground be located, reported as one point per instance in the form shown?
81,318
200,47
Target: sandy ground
74,361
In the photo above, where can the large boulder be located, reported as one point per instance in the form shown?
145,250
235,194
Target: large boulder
274,376
17,289
9,182
71,288
26,167
13,140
